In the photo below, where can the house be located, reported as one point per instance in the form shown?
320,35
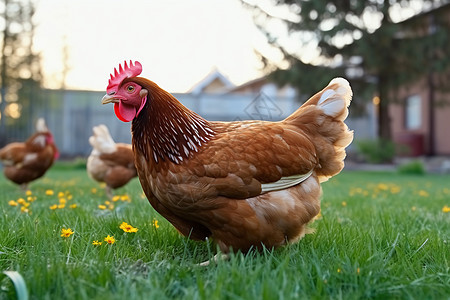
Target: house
214,82
421,118
217,83
263,85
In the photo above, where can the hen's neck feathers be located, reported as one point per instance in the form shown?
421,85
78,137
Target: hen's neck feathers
165,130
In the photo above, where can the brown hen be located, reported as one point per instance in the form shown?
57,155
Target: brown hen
244,184
28,161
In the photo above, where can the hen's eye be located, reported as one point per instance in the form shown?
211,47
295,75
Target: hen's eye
130,88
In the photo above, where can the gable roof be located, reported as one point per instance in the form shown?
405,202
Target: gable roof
216,78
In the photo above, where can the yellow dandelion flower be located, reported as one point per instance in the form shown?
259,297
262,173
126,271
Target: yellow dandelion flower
101,206
94,191
125,198
13,203
395,189
96,243
62,200
353,191
123,225
60,206
155,224
357,271
69,197
111,206
25,204
127,227
73,206
61,194
21,201
344,203
66,232
383,186
31,198
54,206
110,239
115,198
107,202
446,209
28,193
103,185
423,193
24,209
339,270
49,192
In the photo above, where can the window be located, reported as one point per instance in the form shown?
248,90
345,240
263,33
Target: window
413,112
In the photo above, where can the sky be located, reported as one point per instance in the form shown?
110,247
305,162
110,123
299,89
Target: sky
178,42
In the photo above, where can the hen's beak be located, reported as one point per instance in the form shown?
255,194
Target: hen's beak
109,99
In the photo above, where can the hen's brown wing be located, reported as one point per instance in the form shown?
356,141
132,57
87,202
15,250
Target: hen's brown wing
120,166
13,153
123,156
242,159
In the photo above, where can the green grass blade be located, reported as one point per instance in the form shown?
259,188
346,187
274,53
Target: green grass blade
19,284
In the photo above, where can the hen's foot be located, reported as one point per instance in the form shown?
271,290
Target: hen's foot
215,259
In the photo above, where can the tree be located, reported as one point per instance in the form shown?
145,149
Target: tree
358,39
18,64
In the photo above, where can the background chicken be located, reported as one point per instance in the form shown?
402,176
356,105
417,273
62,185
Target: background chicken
244,184
25,162
110,163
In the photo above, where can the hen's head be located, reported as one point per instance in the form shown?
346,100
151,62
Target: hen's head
128,97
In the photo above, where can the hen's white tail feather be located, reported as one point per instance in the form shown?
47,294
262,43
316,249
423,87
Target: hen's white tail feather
102,140
322,116
336,98
41,126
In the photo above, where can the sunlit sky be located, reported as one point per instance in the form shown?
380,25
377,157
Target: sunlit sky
177,42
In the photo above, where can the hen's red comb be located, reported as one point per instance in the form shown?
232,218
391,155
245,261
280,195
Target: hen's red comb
125,72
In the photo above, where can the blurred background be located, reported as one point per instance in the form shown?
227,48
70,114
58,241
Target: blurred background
232,60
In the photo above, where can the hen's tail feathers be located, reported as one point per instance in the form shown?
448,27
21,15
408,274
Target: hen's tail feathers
102,140
41,126
335,99
322,118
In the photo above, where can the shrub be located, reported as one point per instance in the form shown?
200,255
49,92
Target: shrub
412,167
377,151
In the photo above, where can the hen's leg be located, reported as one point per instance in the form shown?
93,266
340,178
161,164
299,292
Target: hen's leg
108,192
24,187
215,259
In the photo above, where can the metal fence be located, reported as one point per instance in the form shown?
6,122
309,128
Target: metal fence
70,115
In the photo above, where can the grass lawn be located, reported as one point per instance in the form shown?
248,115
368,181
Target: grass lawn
379,236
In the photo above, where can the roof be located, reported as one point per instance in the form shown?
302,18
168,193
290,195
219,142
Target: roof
213,76
249,85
